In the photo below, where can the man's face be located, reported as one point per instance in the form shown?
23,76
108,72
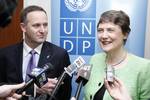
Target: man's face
35,28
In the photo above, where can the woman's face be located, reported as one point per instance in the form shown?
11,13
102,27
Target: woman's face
110,37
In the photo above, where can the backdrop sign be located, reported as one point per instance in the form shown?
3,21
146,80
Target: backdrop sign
74,25
77,26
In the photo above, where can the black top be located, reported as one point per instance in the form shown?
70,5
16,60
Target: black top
100,93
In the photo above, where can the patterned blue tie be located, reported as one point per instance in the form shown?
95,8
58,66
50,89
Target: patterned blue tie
31,64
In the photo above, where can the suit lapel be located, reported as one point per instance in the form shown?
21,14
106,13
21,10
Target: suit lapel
45,55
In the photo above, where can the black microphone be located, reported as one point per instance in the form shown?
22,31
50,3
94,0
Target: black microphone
78,63
37,76
83,77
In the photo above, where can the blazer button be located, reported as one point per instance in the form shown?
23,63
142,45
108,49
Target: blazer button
99,84
90,97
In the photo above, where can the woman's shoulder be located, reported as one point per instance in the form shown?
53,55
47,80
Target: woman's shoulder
138,58
139,62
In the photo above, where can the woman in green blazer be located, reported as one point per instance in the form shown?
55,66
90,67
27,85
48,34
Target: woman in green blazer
128,77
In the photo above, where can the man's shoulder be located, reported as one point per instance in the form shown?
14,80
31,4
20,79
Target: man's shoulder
11,47
53,46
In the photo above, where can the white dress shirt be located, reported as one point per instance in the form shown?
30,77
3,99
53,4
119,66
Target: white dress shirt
27,56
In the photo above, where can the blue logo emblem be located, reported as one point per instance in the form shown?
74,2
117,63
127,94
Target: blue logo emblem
78,5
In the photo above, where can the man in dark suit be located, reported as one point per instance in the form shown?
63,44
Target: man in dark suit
14,59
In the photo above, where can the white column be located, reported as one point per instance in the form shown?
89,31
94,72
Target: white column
147,35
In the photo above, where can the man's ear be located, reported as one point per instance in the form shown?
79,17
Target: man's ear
23,27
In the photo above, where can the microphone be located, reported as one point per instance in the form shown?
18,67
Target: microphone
78,63
83,77
37,76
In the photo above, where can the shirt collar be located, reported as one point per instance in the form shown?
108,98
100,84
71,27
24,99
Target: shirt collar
27,49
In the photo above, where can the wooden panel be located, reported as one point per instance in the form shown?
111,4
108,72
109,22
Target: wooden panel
12,33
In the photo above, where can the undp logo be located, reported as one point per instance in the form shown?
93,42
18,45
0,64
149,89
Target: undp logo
78,26
78,5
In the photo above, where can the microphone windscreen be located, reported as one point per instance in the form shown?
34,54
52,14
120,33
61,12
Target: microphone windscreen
78,63
84,74
39,74
48,66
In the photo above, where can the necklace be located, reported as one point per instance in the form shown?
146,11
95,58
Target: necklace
120,61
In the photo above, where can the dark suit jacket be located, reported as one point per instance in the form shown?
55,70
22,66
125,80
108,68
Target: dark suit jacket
11,65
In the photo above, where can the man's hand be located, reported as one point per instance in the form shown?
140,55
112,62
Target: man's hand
48,87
